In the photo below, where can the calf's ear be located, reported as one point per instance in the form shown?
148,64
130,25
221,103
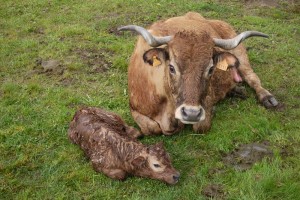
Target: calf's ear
225,60
156,56
139,161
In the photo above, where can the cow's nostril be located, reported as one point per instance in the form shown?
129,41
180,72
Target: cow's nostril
200,113
184,114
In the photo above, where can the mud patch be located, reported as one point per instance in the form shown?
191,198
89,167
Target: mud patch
213,191
114,31
97,61
67,81
214,171
48,67
262,3
288,5
245,156
280,107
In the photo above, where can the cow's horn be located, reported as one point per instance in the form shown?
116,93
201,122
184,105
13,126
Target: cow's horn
234,42
151,40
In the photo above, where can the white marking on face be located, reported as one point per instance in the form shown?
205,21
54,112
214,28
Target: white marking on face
155,165
178,113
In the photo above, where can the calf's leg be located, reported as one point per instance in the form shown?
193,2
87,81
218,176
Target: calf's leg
114,173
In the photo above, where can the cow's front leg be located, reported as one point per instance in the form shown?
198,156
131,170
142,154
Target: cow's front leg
147,125
204,125
264,96
169,124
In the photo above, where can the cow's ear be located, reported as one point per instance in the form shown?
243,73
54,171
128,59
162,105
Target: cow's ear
225,60
155,57
139,161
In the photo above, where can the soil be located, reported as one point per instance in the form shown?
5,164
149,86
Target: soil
280,107
246,155
265,3
49,67
114,31
67,81
214,171
213,191
291,5
95,59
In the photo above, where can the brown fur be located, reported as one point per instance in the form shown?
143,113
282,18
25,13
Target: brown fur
111,146
155,94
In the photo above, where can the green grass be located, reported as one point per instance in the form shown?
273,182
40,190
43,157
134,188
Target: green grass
37,161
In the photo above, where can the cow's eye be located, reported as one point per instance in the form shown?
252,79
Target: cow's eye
156,165
210,71
172,69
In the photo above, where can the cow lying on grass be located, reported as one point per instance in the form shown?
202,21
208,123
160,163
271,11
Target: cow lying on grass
181,67
112,148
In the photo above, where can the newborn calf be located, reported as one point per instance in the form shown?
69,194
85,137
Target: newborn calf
111,146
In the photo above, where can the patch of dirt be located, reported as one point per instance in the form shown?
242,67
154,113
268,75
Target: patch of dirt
48,67
246,155
280,107
289,154
213,191
213,171
289,149
262,3
114,31
96,60
66,81
288,5
37,30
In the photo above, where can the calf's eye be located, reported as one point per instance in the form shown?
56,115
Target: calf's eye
156,165
172,69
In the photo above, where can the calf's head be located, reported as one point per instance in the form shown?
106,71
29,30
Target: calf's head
189,59
155,163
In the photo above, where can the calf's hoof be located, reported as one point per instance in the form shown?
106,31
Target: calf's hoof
269,102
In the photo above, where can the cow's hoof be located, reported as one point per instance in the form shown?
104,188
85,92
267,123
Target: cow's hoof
269,102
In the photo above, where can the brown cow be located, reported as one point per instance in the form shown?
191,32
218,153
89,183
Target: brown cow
110,145
181,67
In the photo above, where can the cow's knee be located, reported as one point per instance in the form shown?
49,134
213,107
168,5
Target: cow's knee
147,125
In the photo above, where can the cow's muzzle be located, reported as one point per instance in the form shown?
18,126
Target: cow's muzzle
190,114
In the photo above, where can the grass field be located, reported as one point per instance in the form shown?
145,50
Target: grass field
56,56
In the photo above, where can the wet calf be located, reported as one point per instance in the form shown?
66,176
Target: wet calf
111,146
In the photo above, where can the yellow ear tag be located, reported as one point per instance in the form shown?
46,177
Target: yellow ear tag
156,61
223,65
